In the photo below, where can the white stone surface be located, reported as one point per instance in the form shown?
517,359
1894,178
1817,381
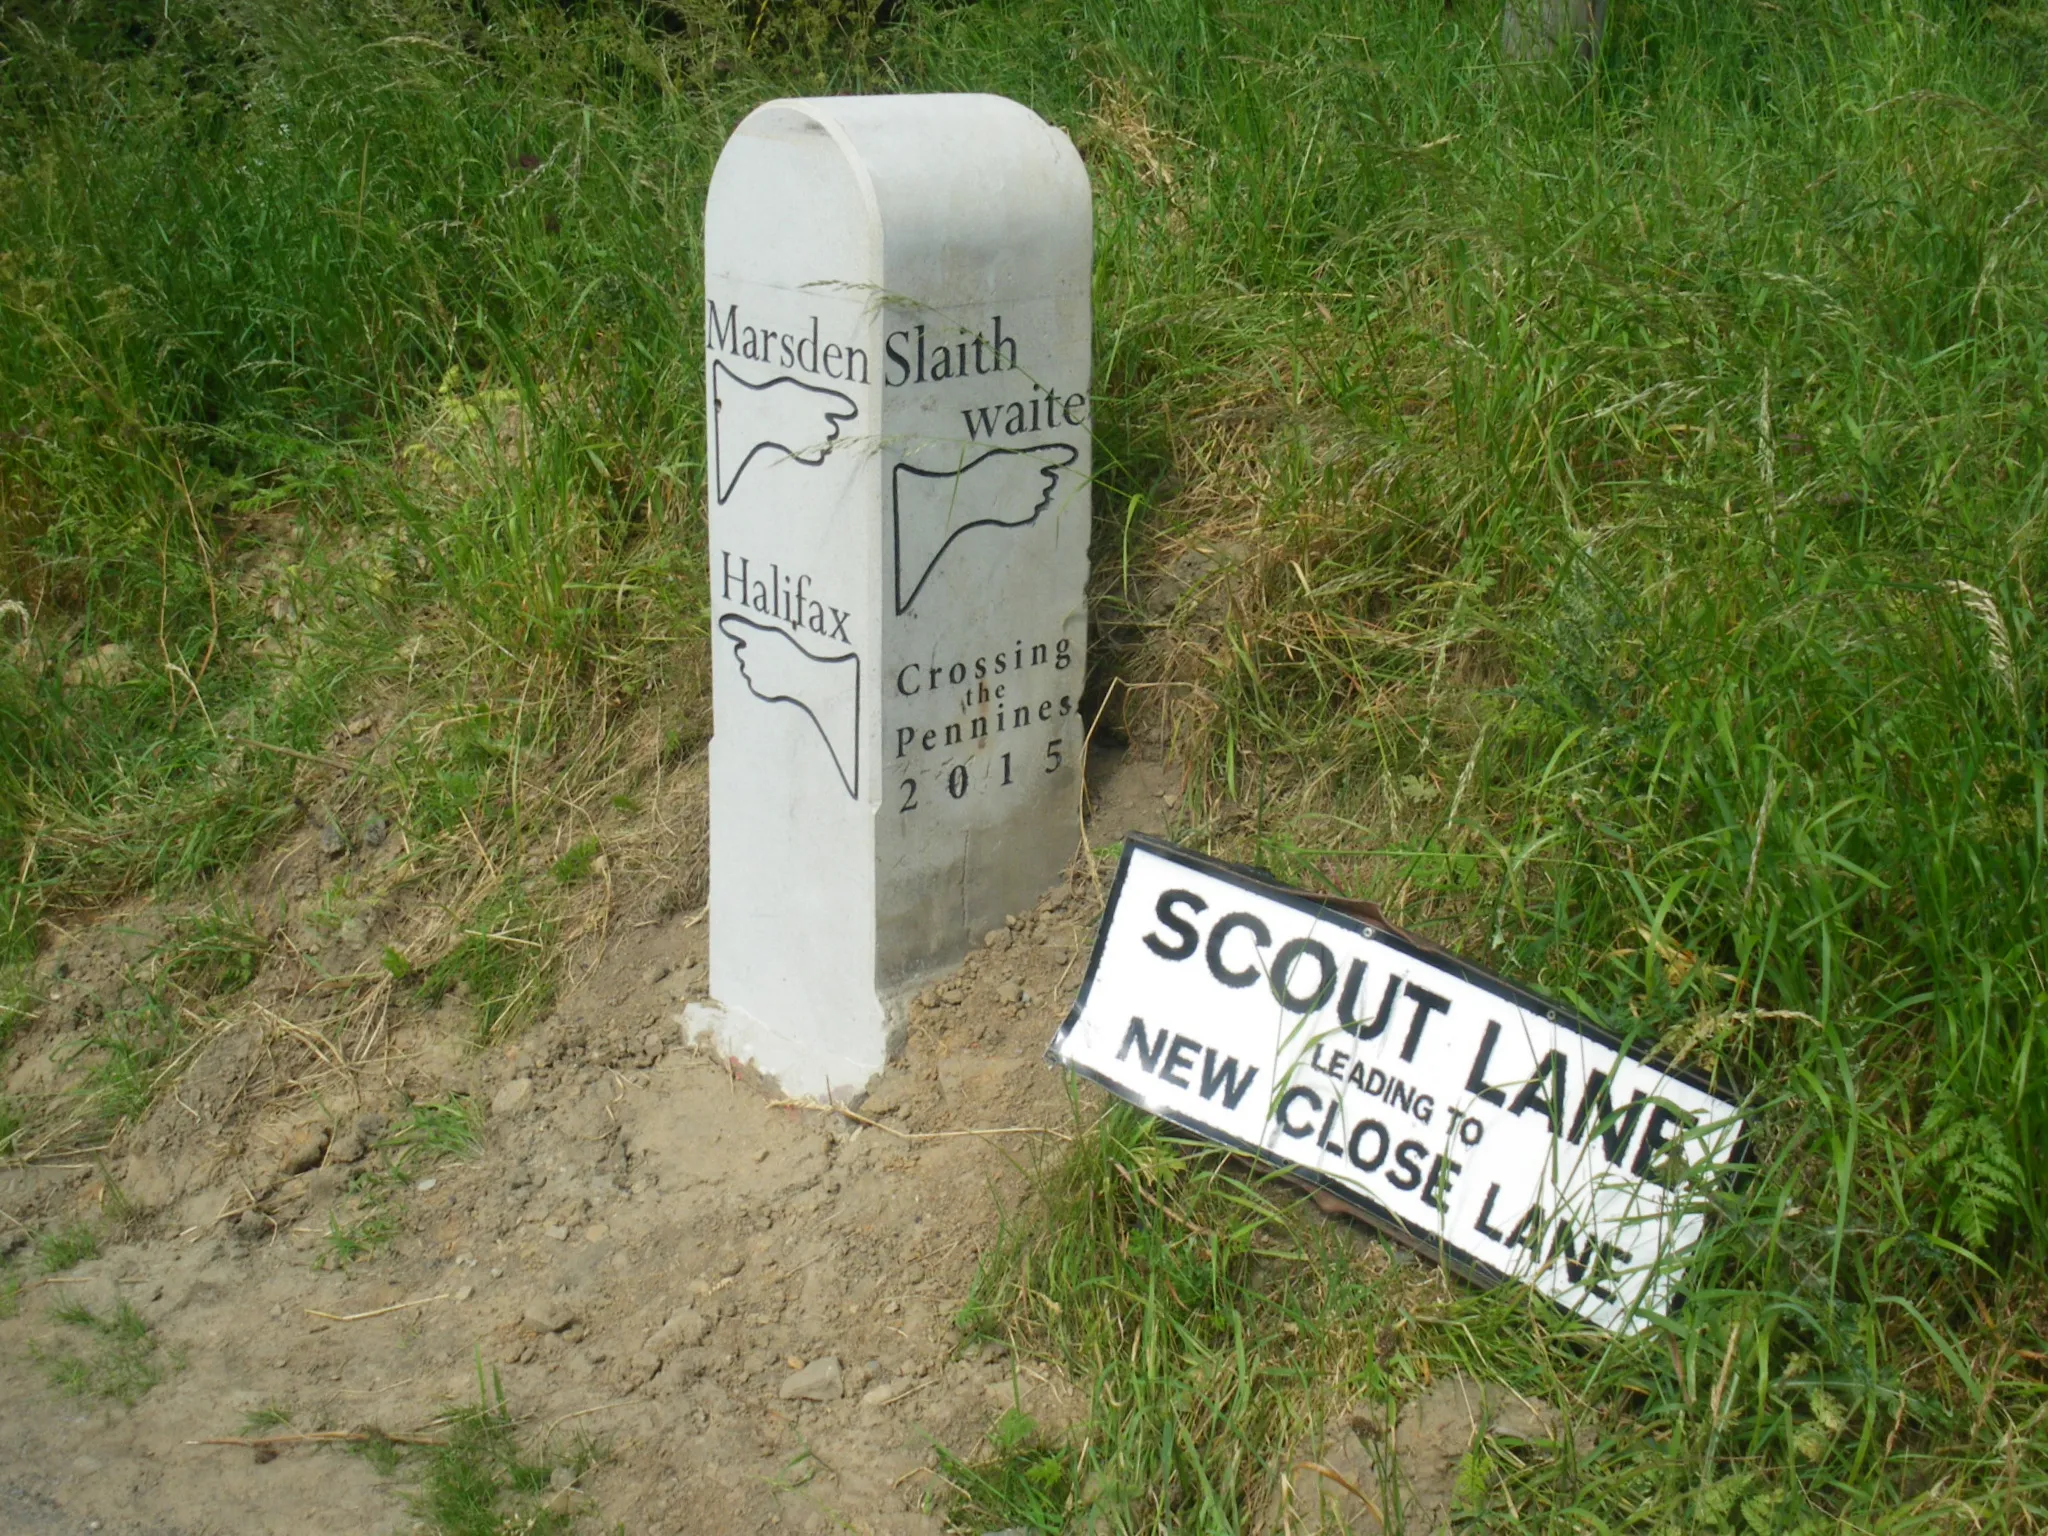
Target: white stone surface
897,366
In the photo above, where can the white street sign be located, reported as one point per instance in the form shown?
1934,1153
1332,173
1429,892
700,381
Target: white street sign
1468,1116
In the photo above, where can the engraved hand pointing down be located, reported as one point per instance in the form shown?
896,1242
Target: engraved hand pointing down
801,420
778,670
997,488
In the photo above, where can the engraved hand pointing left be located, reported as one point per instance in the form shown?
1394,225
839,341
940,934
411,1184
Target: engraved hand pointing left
778,670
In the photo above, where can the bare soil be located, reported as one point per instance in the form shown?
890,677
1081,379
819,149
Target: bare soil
648,1249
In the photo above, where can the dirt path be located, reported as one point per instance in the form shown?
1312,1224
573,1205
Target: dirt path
649,1248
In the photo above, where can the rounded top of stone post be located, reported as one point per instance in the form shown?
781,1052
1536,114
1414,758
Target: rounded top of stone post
946,199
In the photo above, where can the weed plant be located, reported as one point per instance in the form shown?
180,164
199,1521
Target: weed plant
17,1007
145,1038
433,1129
131,1053
1615,502
480,1481
18,1004
121,1359
65,1247
1027,1482
575,865
427,1133
502,962
265,1420
348,1242
217,952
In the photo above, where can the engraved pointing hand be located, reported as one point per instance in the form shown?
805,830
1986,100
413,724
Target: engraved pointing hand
996,488
778,670
799,420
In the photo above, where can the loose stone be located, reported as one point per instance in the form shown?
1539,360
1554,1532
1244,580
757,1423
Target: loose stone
685,1329
818,1382
511,1098
307,1146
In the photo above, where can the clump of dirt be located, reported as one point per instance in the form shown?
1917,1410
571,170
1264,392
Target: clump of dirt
338,1212
1364,1476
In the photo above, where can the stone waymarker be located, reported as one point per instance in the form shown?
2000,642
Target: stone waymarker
897,367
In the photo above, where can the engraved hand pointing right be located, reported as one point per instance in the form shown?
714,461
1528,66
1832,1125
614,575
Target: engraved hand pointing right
802,420
996,488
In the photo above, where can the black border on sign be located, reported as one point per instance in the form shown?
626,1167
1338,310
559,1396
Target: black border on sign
1458,1260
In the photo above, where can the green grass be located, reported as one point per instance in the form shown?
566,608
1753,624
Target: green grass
18,1004
575,865
433,1129
121,1358
63,1247
1027,1482
1638,474
502,960
215,953
481,1481
1633,481
263,1420
428,1132
245,256
1201,1311
350,1242
128,1057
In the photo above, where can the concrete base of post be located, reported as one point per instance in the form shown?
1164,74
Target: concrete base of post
1537,29
797,1066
